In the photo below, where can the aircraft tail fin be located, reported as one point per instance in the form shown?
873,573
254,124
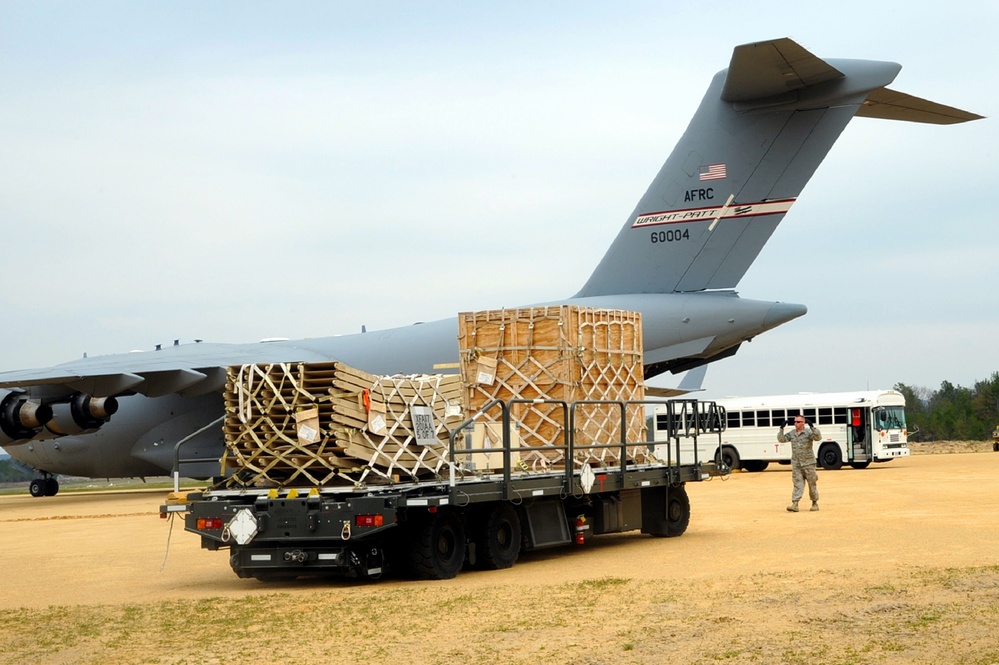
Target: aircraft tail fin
762,129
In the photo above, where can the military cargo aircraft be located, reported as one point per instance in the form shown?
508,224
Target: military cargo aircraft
763,127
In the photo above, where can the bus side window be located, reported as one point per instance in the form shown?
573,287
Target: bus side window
763,419
778,416
733,419
825,416
839,416
662,422
810,415
747,419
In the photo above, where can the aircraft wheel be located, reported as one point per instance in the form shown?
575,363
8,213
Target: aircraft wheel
51,487
436,549
37,487
497,544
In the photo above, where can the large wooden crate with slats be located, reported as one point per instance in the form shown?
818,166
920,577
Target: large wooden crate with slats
328,423
563,353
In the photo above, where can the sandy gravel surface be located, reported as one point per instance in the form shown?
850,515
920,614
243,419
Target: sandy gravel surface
901,565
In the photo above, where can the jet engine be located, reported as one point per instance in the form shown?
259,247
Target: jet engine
80,414
21,418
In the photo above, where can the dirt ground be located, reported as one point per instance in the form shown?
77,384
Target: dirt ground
901,565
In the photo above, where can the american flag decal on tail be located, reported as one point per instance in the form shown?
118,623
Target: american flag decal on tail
714,172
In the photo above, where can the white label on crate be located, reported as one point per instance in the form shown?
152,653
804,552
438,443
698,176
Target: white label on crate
423,425
537,492
376,423
485,371
307,434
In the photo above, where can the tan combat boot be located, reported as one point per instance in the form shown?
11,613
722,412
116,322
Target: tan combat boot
815,506
793,508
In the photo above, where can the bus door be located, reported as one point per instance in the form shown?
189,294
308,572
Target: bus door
858,433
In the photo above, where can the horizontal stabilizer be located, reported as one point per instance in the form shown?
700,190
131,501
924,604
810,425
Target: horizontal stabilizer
773,68
891,105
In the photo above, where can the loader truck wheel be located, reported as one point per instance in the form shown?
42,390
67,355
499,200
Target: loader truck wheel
436,547
498,539
677,511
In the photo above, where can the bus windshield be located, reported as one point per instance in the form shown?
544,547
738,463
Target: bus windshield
889,417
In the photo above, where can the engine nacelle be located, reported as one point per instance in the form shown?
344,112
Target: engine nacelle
21,418
81,414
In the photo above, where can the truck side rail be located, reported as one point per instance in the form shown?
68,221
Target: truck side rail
688,419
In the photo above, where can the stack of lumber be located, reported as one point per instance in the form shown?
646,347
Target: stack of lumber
565,353
329,423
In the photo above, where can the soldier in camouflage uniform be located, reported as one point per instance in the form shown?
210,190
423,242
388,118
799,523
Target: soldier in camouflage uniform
802,460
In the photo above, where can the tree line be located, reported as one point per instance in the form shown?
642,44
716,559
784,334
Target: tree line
12,471
952,413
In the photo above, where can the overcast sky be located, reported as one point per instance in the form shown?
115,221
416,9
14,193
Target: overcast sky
235,171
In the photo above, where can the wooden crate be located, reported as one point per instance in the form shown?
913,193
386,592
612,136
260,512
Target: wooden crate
562,353
329,423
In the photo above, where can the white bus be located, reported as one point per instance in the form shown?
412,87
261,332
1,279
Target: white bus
857,428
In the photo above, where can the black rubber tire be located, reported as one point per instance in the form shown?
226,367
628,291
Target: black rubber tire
830,457
37,487
860,465
498,539
677,511
755,465
51,487
728,456
436,547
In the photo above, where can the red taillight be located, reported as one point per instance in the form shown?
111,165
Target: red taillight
209,523
369,520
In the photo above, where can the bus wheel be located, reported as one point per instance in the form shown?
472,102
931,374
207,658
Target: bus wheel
436,549
860,465
829,457
755,465
677,511
728,456
497,543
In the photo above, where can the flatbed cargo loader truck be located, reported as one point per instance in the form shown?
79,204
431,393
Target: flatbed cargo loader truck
432,529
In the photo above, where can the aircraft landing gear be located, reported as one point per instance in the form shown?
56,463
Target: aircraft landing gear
47,486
